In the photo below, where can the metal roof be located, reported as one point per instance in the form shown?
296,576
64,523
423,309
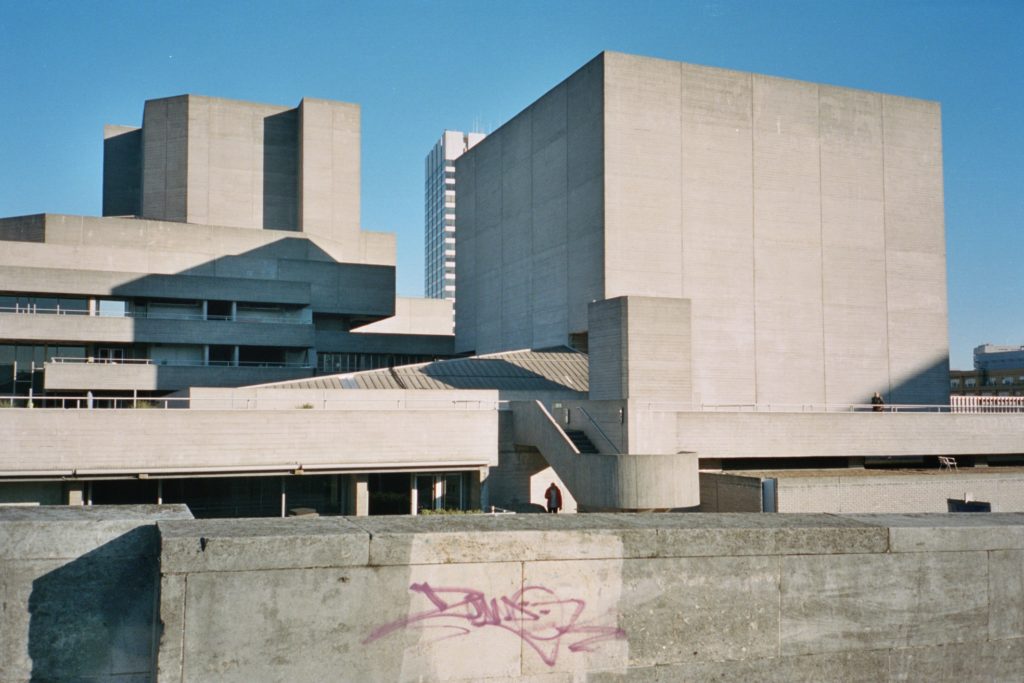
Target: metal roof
559,369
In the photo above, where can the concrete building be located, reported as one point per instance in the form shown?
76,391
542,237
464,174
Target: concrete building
237,259
439,212
798,226
230,254
744,259
991,357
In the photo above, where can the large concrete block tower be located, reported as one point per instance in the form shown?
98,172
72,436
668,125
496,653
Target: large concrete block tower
213,161
802,224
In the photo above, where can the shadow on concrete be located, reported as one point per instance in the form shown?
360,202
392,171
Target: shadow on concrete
281,171
96,615
929,385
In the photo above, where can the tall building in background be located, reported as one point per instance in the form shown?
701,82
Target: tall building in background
439,213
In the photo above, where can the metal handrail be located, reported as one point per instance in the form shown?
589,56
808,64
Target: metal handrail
32,310
299,402
186,363
615,449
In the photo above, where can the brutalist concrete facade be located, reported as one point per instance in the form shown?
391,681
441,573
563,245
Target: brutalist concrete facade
803,223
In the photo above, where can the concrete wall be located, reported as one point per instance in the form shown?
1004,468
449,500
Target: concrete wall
600,597
721,492
530,209
803,222
793,435
80,589
415,316
874,491
122,171
56,443
82,377
224,162
639,348
337,276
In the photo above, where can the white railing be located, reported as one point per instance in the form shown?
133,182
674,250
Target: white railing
986,404
125,402
243,318
1014,404
178,363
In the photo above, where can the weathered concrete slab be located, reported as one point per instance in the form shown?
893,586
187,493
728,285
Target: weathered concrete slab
78,587
266,543
848,667
834,603
66,532
366,623
955,531
1006,594
971,662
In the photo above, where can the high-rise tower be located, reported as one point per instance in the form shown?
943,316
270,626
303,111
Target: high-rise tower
439,212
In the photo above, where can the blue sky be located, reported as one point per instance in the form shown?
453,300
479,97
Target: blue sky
415,67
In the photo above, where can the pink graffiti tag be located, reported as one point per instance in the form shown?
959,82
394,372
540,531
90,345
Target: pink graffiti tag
535,614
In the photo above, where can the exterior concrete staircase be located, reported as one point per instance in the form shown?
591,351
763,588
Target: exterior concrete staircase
581,441
606,481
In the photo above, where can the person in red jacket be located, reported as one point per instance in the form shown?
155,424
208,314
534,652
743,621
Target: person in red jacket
554,498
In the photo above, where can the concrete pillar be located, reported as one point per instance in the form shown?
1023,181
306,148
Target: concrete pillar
359,495
206,347
438,491
234,311
204,309
74,493
414,495
92,306
159,491
284,499
234,355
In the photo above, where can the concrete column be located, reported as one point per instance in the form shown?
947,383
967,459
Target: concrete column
438,490
74,493
204,309
284,498
359,495
414,495
234,311
92,306
159,491
234,356
206,347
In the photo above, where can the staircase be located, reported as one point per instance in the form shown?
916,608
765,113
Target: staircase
580,440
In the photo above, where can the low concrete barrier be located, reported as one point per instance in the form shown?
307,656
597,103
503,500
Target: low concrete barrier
595,597
78,589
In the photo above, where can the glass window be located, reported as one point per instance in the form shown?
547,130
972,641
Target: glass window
114,308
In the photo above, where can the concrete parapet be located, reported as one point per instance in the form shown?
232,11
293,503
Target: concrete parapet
598,597
79,587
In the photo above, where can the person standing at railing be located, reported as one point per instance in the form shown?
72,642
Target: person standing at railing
877,403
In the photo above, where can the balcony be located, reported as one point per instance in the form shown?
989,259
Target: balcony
82,374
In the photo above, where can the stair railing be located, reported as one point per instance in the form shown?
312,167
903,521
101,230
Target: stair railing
611,444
